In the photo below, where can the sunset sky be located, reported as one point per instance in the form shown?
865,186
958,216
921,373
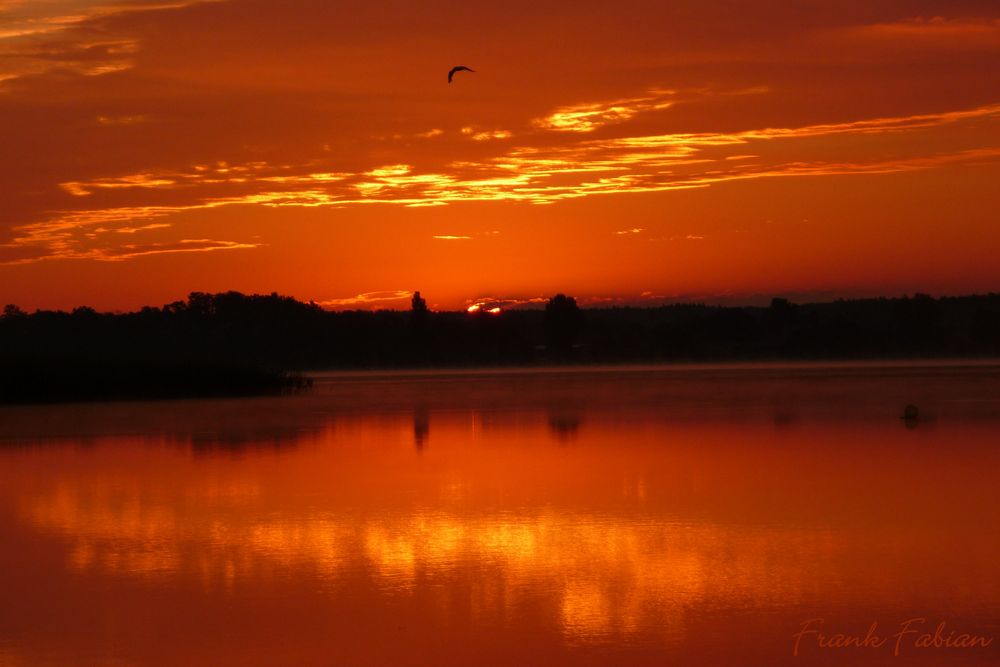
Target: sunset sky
621,152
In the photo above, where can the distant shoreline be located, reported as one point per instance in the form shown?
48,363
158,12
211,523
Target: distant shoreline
230,344
675,366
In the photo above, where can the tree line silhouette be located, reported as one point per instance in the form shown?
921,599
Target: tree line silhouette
231,342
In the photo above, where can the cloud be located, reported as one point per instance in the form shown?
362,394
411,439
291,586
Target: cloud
122,120
85,58
143,180
968,32
120,252
589,116
367,299
37,37
550,166
131,250
491,135
490,303
32,18
143,228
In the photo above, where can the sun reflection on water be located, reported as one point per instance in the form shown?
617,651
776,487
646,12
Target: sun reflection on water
604,575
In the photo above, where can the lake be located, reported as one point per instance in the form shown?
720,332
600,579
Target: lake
701,515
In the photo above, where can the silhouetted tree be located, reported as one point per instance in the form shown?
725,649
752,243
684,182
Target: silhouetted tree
781,306
780,318
11,311
418,304
986,329
563,323
418,314
915,323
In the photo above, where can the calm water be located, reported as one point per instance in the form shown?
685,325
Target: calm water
661,516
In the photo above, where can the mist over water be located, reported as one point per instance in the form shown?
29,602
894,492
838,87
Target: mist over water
687,515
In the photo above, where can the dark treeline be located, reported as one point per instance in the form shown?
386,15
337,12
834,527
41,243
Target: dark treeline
280,333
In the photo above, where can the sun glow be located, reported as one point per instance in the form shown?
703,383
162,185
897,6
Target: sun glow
115,129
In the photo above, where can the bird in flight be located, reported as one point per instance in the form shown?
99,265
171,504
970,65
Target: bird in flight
458,68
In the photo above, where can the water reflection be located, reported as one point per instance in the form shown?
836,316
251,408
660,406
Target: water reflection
607,575
702,535
421,426
564,422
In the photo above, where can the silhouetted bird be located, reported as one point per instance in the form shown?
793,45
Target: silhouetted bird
458,68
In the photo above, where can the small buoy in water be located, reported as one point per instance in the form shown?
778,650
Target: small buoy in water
910,412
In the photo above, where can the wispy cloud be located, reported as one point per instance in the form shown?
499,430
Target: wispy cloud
486,135
131,250
490,303
589,116
122,120
136,230
34,17
543,172
119,252
367,299
36,37
963,32
130,181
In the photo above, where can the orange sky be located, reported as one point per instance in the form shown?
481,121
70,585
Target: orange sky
621,152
